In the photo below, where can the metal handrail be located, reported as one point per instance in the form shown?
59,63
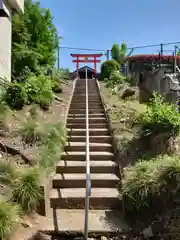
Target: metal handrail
88,178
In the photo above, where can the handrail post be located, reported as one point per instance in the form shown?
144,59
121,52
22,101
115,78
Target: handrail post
88,178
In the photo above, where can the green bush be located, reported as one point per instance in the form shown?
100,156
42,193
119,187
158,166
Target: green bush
39,91
56,85
15,96
26,190
9,218
115,79
149,182
108,67
159,117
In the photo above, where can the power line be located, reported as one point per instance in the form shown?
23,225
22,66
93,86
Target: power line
85,49
129,48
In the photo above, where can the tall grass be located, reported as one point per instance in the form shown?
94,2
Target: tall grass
148,181
26,191
9,218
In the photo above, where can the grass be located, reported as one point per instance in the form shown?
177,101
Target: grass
150,179
8,171
26,191
5,114
31,131
9,218
21,185
148,183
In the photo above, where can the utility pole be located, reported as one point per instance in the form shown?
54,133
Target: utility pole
58,57
59,52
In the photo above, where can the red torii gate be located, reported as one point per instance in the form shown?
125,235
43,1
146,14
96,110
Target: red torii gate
93,59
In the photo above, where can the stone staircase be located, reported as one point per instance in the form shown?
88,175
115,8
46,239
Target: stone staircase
67,197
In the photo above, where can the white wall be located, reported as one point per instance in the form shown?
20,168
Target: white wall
18,5
5,45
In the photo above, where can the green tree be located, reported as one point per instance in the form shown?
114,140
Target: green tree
34,40
118,53
115,52
108,67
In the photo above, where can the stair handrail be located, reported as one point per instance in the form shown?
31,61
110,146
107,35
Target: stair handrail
88,178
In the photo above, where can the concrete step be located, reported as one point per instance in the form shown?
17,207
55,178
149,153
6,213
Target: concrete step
82,98
101,198
71,220
81,156
91,115
73,180
92,132
90,101
83,105
81,146
83,120
83,125
80,167
98,110
92,139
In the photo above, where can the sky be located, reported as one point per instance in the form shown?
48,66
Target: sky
98,24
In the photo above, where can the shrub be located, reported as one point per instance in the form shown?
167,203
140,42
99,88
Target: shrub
31,131
26,190
159,117
9,218
15,96
5,113
149,181
108,67
8,171
115,79
39,91
56,85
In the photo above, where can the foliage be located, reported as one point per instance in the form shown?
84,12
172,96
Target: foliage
64,73
34,111
31,131
26,189
9,218
34,40
53,145
115,79
39,90
115,51
7,171
5,113
119,53
160,117
149,182
15,96
108,67
56,84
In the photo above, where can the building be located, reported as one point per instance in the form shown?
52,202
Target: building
7,9
82,73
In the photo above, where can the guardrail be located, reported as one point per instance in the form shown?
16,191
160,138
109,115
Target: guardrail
88,177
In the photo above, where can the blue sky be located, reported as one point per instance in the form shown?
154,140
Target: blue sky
97,24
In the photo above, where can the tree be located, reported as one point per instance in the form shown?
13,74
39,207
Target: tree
34,40
118,53
108,67
115,52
